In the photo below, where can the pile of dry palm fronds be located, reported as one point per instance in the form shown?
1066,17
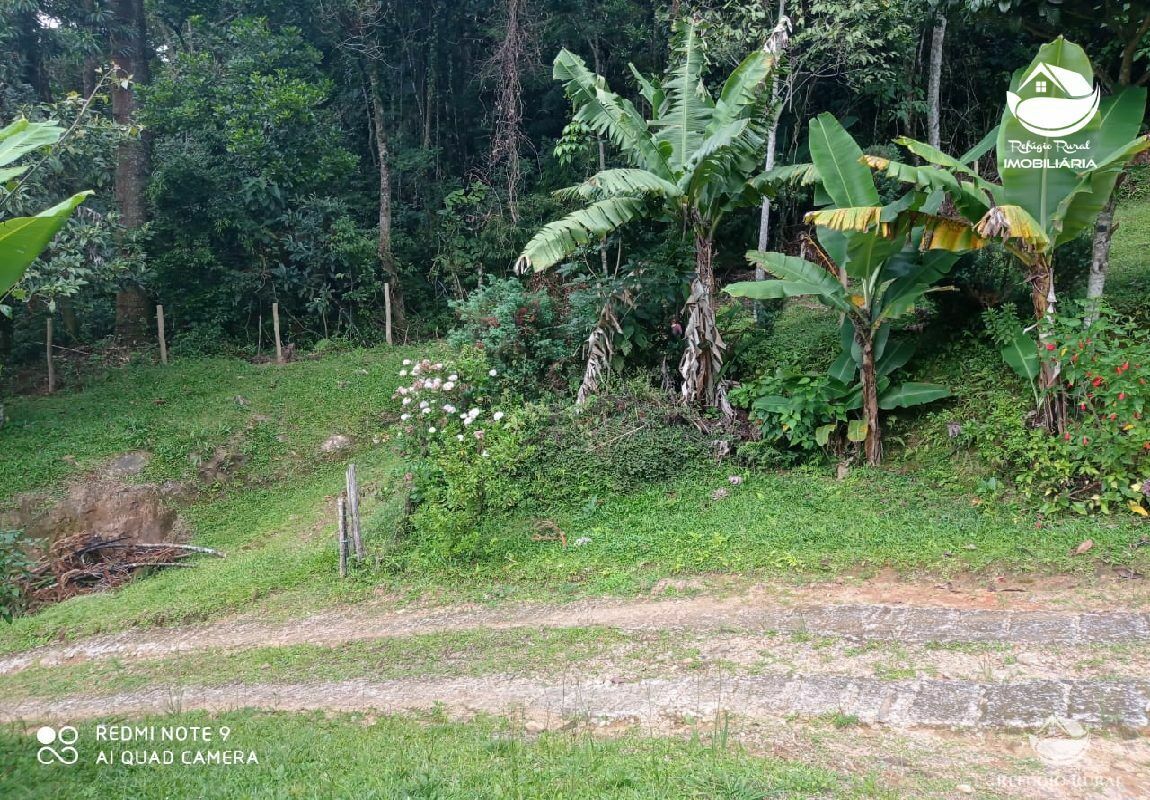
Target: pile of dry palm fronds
84,563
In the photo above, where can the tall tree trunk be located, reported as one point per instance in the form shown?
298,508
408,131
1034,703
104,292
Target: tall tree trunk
702,359
28,43
129,41
777,45
872,446
1100,256
934,86
602,145
48,345
508,131
386,257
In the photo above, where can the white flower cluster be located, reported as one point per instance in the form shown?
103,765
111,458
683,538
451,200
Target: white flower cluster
441,415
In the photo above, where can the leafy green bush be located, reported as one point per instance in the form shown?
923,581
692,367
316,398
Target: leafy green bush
462,449
620,442
1101,461
15,569
516,329
794,408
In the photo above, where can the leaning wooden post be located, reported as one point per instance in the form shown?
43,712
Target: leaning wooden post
276,328
48,336
341,508
160,334
353,511
387,311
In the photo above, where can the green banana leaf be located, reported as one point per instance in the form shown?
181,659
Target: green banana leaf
1021,355
22,239
1116,143
911,394
838,159
1040,190
798,277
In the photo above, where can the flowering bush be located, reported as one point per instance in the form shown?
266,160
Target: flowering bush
1107,440
463,449
1101,460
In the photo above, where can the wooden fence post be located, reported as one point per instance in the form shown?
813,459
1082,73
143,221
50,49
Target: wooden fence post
160,334
353,511
341,508
276,328
48,336
387,311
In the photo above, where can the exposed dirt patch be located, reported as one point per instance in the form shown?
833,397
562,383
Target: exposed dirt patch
105,508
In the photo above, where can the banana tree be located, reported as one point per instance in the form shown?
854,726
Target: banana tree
22,239
872,264
1055,180
692,162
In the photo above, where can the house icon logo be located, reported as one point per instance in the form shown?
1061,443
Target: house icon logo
1053,101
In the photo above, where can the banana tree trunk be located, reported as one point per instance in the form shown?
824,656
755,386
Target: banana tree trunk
872,446
1052,413
383,245
702,359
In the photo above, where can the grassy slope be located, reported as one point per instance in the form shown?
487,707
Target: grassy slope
275,526
314,756
275,417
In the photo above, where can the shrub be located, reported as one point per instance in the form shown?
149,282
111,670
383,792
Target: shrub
15,570
462,448
516,329
795,409
620,442
1101,461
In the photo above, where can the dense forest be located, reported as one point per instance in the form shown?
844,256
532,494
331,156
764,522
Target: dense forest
245,153
346,172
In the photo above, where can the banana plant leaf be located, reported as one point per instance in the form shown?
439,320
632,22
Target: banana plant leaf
21,137
22,239
838,159
1041,189
1117,142
1021,355
906,395
798,277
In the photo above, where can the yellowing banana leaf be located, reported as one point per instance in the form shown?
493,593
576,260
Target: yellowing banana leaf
944,233
1013,223
859,219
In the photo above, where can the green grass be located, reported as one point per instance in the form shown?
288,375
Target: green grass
315,756
448,654
274,520
1128,282
801,523
280,547
182,413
